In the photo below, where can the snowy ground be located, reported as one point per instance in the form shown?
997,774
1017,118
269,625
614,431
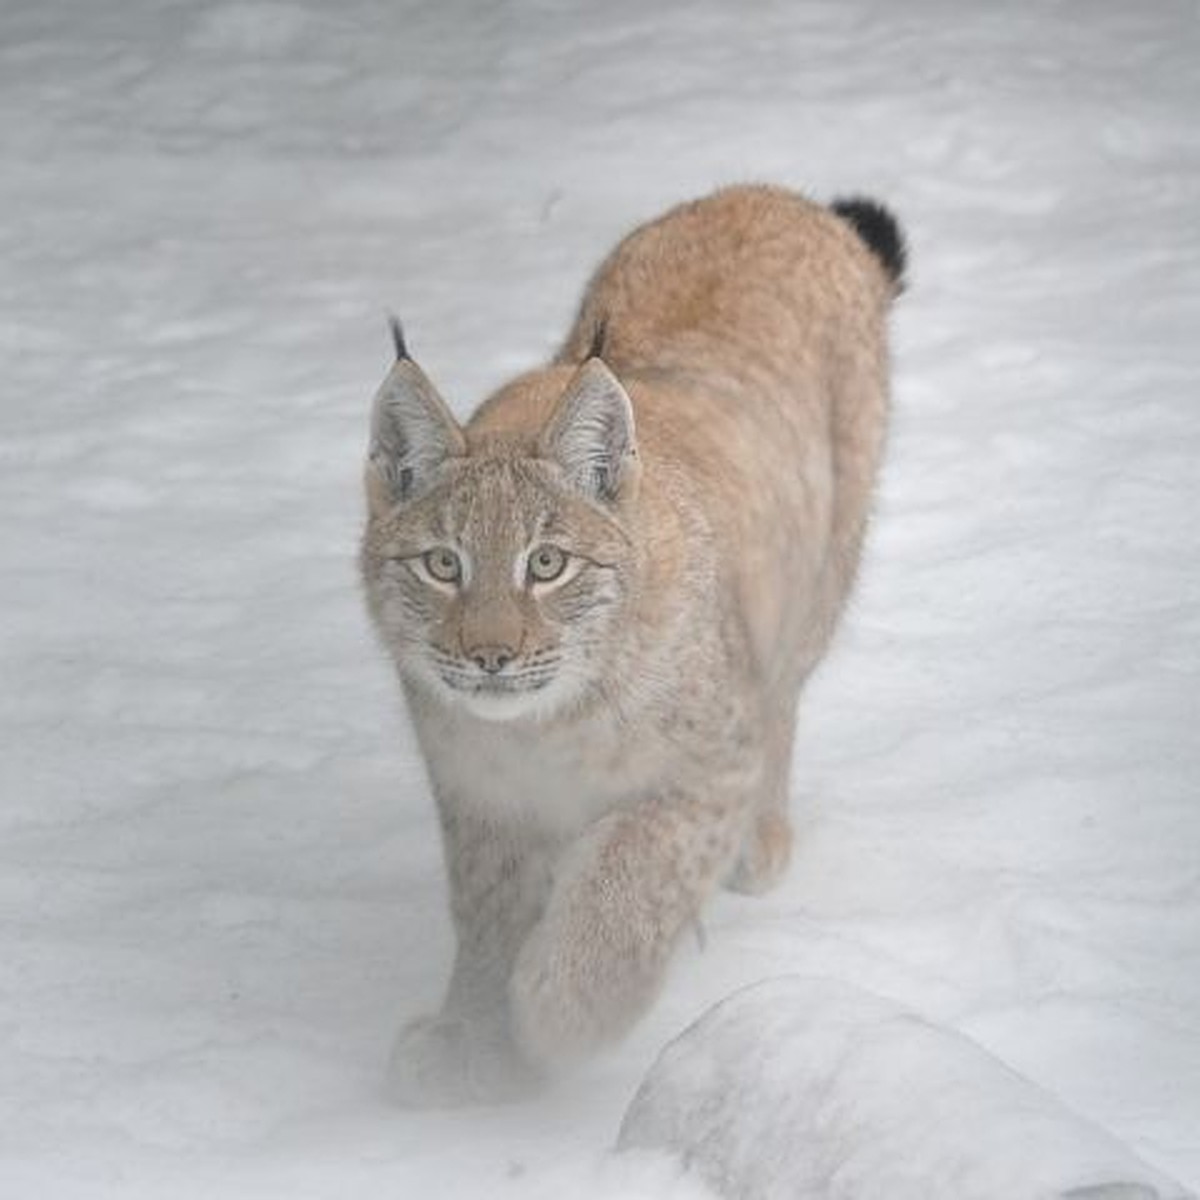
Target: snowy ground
219,885
811,1089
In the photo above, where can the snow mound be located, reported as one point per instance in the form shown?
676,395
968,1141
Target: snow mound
807,1089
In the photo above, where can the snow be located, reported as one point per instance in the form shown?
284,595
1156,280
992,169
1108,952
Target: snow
220,890
804,1089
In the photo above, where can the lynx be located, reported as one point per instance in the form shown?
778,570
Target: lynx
603,594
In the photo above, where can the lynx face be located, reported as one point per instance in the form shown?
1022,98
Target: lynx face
495,572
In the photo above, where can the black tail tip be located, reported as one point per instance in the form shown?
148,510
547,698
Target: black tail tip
880,230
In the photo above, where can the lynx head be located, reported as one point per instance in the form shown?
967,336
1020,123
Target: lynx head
495,561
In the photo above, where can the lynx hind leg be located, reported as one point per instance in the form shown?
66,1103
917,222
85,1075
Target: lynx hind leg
767,848
765,855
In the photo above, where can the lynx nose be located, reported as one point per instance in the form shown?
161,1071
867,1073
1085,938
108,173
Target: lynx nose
491,659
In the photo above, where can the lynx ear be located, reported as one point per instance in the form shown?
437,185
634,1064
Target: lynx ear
591,434
412,433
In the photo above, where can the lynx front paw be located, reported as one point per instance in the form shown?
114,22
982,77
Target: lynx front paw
550,1023
571,992
446,1062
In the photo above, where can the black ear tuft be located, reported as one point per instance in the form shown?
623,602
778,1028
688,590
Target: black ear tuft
599,334
879,230
402,354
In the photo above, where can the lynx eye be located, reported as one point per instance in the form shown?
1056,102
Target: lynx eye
443,565
547,563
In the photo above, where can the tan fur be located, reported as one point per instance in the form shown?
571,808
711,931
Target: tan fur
587,818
